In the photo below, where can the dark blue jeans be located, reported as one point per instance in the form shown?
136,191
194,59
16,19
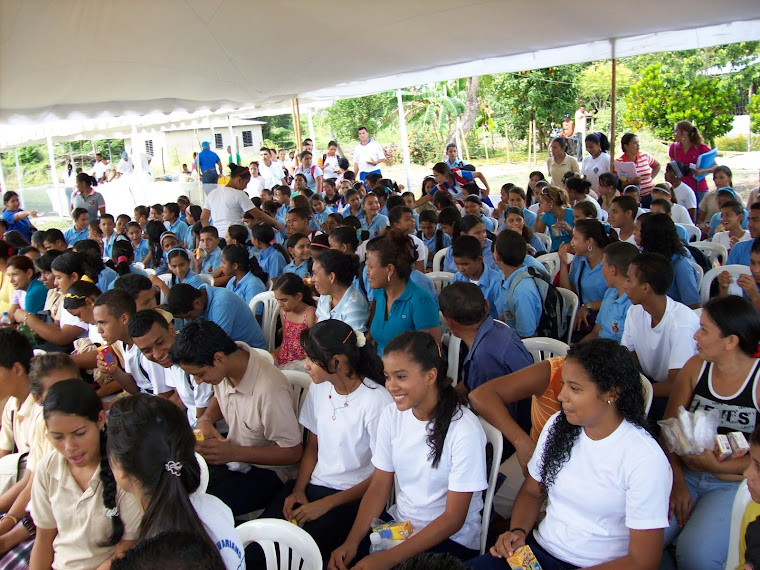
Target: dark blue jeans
210,176
243,492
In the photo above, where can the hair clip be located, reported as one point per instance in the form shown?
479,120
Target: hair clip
72,296
122,259
112,513
87,278
174,467
348,336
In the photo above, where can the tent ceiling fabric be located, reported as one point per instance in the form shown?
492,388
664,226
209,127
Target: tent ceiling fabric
96,58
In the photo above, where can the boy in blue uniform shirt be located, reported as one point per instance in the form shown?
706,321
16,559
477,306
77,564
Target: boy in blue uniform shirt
80,229
107,226
221,306
175,225
471,269
739,254
211,262
610,321
434,238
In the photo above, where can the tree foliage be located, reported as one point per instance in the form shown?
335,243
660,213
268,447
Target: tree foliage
595,84
662,98
373,111
754,114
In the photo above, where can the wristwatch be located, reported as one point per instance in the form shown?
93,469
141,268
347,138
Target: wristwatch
28,524
588,306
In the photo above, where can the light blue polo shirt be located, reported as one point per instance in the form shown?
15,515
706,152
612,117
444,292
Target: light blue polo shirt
430,244
523,311
612,314
212,260
739,254
272,261
141,251
378,223
108,245
414,310
248,287
105,278
685,287
72,236
300,270
191,279
489,283
536,243
530,217
352,309
488,223
182,231
530,261
231,313
592,285
487,252
682,233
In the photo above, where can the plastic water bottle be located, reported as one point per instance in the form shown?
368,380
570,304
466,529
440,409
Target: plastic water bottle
4,320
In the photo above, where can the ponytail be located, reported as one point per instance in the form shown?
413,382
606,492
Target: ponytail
265,233
109,494
123,254
292,284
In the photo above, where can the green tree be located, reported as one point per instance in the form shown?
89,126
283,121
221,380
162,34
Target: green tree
662,98
373,111
278,130
754,113
595,84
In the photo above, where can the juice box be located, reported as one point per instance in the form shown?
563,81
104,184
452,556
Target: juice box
722,447
523,559
738,443
198,434
399,530
108,355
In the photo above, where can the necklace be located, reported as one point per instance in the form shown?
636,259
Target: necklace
339,407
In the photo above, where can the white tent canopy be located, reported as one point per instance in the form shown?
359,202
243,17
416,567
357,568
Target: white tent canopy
93,58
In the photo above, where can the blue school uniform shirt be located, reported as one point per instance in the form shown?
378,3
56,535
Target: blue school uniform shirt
496,351
530,217
486,251
23,226
530,261
300,270
321,217
108,244
430,244
282,211
561,236
183,232
378,223
211,261
247,288
488,223
685,287
272,261
132,269
715,222
489,283
592,286
105,278
612,314
536,243
739,254
72,236
191,279
230,312
682,233
523,311
141,250
414,310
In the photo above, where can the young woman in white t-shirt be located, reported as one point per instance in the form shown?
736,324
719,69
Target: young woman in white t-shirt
152,452
435,448
598,161
340,412
606,479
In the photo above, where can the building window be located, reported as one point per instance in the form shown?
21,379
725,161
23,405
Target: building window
218,143
149,147
247,138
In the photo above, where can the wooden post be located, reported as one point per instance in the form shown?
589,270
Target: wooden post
485,144
506,136
535,143
614,98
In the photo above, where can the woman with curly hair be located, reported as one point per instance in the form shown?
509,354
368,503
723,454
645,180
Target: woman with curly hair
606,478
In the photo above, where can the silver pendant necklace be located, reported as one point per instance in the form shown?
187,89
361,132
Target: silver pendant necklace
339,407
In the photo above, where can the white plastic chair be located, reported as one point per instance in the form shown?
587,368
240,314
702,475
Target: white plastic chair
438,259
166,278
571,309
139,265
713,251
203,485
693,232
710,276
698,311
300,382
269,318
546,239
296,547
265,354
440,279
741,500
543,347
700,272
648,393
207,279
455,344
494,437
150,271
551,262
39,352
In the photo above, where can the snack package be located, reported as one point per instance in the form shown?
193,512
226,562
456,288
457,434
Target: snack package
705,428
686,420
722,447
198,434
385,536
674,436
523,559
738,443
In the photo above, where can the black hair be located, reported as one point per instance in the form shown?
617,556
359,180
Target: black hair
294,239
291,284
610,179
627,204
77,294
195,211
431,561
28,249
54,235
733,205
76,397
345,236
450,216
345,266
151,440
600,139
142,321
351,222
463,302
22,263
15,347
619,255
123,248
684,168
265,233
210,230
578,185
44,364
466,223
170,550
654,269
15,239
154,229
622,380
45,261
176,252
625,140
471,188
594,229
172,208
109,216
659,235
395,213
430,216
527,232
395,248
336,217
468,247
735,315
422,349
77,212
327,339
561,142
511,248
662,203
158,208
118,302
237,254
38,237
394,201
181,297
8,195
133,284
238,233
87,179
141,211
443,200
198,342
70,262
727,171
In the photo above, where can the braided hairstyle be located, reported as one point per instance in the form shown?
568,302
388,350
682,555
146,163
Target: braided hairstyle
421,348
76,397
623,379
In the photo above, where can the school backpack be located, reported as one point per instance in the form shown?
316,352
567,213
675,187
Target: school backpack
553,322
700,258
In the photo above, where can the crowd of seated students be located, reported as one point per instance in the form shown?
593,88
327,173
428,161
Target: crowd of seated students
112,440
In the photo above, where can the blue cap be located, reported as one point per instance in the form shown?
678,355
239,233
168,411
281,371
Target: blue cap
124,155
727,190
205,144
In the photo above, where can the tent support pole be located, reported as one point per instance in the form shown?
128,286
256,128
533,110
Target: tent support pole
404,139
233,142
614,104
18,170
312,136
2,175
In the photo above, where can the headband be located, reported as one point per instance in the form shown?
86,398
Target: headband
674,167
72,296
167,234
182,249
312,244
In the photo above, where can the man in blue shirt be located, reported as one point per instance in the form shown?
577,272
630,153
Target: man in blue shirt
208,160
494,349
80,229
739,254
221,306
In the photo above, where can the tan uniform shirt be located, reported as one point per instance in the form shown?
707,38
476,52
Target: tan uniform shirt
18,424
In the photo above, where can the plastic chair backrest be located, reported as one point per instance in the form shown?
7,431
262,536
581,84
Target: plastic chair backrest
741,500
455,345
300,382
203,485
207,279
269,318
296,547
551,262
693,231
438,259
710,276
542,347
440,279
571,306
494,437
648,393
713,251
700,273
546,239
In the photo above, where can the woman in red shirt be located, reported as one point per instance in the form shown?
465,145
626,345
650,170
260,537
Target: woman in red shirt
687,148
647,167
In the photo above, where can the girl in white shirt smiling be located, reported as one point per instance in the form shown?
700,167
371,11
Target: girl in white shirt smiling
606,478
341,412
435,447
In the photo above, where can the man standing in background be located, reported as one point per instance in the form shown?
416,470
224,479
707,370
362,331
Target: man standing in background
208,160
368,155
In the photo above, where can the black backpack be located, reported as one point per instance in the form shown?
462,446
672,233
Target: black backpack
553,322
700,258
438,239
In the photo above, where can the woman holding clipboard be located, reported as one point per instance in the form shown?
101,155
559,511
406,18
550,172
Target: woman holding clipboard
687,148
646,167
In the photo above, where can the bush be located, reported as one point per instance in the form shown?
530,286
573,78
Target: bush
423,148
736,144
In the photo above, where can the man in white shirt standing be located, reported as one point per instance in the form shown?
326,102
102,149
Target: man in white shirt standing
368,155
99,168
125,167
269,170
